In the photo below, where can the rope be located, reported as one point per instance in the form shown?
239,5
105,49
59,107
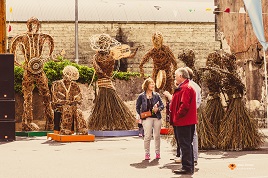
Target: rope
105,83
93,76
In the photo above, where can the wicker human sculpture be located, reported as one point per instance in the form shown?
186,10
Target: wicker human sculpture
32,44
188,58
66,96
237,130
163,59
205,129
109,112
213,80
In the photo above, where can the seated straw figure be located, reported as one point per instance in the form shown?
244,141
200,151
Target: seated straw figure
66,96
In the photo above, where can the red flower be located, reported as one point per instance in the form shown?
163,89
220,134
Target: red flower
227,10
9,28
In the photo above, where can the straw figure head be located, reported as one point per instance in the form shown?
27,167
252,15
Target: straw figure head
187,57
33,25
70,73
103,42
214,59
229,62
157,40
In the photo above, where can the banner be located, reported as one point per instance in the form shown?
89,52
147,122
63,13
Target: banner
254,10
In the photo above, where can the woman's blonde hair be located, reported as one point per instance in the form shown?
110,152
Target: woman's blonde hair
146,83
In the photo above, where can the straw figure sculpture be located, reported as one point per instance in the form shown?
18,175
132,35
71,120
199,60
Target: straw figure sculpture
237,130
31,44
212,79
109,111
205,130
66,95
163,59
188,58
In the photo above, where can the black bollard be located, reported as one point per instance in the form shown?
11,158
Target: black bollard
57,119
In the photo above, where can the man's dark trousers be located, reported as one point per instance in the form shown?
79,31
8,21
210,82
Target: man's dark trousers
177,141
185,135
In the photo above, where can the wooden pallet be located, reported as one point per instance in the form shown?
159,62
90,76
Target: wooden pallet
71,138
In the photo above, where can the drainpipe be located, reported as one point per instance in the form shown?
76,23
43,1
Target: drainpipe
76,32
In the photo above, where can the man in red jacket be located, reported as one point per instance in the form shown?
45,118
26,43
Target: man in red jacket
183,117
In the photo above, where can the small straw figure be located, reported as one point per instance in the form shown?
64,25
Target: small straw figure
237,130
109,112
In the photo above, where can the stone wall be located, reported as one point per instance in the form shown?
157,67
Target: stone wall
178,36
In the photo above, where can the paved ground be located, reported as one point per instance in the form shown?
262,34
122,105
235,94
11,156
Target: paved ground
119,157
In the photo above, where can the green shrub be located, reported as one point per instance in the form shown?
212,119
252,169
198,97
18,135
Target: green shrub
54,69
18,73
125,75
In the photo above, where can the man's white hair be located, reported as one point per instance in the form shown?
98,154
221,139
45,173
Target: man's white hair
183,72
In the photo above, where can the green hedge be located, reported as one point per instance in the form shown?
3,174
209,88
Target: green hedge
54,69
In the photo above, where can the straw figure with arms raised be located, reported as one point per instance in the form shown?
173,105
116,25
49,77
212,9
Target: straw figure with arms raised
32,45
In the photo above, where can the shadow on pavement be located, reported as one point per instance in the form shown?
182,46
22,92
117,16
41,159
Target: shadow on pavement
21,138
53,143
183,176
2,143
145,163
234,154
111,139
174,166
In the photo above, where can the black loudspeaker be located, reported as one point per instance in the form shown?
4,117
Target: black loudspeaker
7,110
7,130
7,77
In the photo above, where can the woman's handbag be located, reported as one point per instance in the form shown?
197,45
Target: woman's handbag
146,114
